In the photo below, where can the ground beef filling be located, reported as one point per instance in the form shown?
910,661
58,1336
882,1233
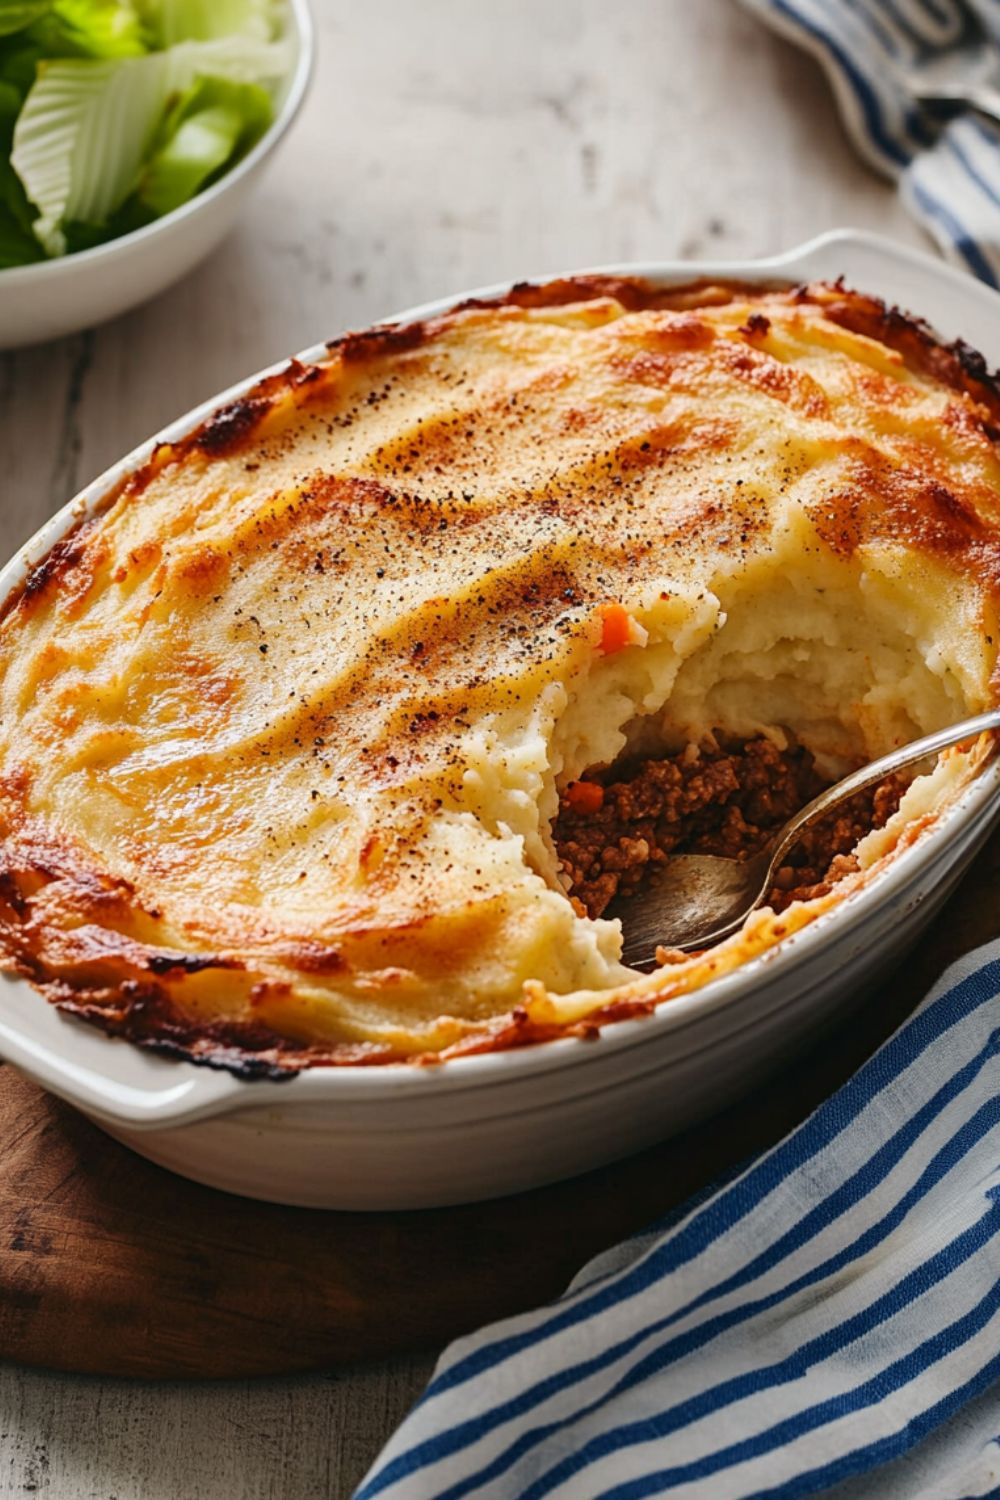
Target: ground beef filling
608,833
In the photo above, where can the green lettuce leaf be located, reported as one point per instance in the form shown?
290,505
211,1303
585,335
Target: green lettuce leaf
87,127
15,15
87,236
81,136
173,21
18,246
211,125
89,28
19,59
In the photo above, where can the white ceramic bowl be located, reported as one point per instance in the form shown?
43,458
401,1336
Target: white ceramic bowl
406,1137
57,297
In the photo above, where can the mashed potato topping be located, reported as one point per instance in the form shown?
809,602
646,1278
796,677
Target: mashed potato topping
284,727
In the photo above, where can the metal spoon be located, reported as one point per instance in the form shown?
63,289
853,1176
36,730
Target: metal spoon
695,900
965,74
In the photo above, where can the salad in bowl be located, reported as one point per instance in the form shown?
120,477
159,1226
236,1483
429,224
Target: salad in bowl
119,117
113,113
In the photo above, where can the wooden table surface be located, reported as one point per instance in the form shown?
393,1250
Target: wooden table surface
444,145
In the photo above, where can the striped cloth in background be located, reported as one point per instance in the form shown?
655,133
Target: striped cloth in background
829,1318
948,168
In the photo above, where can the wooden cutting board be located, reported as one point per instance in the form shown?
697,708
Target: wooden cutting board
111,1265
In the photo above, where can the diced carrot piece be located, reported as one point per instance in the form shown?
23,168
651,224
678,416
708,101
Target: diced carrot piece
584,796
616,628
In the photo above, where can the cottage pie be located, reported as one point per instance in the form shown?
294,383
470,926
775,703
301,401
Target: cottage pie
335,736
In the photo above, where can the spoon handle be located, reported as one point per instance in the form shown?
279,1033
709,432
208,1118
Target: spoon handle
978,96
870,775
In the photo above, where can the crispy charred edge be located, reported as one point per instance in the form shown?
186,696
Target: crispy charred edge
634,294
382,340
111,976
221,435
151,1019
63,556
139,1010
147,1017
51,569
519,1029
143,1013
255,1053
956,364
229,428
114,987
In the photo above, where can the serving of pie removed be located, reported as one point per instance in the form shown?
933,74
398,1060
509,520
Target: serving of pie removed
336,734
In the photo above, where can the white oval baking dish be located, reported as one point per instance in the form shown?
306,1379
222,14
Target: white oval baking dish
476,1127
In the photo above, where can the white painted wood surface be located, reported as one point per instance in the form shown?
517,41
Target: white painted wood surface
446,144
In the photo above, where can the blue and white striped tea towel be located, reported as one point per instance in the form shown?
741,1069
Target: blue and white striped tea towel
830,1318
948,168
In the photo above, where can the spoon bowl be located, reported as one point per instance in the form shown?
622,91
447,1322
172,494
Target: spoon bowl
693,901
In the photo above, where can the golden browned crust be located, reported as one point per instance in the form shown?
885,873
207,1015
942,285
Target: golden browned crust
92,938
957,529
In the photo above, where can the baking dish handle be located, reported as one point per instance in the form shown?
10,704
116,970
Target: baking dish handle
106,1077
